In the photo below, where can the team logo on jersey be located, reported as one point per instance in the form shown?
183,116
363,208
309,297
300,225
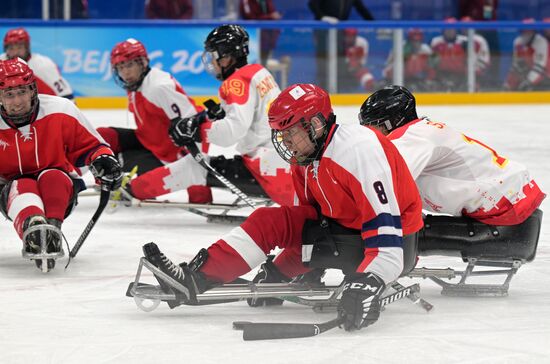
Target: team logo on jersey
233,87
4,144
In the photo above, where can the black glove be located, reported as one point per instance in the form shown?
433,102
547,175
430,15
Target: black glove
107,171
268,273
214,110
360,303
186,131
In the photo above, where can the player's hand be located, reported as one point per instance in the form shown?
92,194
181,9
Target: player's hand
330,19
107,171
187,130
214,111
360,303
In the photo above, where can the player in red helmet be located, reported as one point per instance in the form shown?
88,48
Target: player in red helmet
530,69
44,141
246,91
154,99
48,78
348,179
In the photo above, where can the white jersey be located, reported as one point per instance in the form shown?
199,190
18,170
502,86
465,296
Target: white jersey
48,78
459,175
245,97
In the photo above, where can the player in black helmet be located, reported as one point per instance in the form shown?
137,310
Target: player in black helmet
227,48
455,174
245,94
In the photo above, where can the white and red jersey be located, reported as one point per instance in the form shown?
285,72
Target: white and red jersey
60,138
158,100
459,175
535,56
451,55
245,97
48,78
363,183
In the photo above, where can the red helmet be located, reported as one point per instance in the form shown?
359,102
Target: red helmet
298,103
14,73
15,36
351,32
127,50
415,34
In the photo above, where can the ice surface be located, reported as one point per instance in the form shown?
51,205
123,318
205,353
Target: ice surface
82,316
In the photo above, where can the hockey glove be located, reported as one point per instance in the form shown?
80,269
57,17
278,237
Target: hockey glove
214,110
107,171
360,303
187,130
268,273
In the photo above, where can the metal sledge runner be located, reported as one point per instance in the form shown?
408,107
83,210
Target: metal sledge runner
501,249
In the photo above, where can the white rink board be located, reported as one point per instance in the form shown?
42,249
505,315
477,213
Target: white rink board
82,316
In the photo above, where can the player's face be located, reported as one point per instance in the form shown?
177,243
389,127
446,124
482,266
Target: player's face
17,101
18,49
130,71
297,140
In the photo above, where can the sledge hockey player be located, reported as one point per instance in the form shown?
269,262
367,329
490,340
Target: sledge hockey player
347,178
44,140
530,69
245,93
456,175
154,98
48,78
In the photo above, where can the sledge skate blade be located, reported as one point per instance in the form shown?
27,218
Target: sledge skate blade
43,255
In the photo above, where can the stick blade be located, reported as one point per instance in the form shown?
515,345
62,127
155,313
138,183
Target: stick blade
269,331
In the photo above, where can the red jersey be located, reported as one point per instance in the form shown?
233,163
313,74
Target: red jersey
159,99
451,55
60,137
363,183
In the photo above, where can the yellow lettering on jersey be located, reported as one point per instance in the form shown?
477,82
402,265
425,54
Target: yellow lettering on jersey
500,161
265,85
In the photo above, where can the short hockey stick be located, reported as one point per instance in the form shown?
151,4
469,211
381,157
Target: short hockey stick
199,157
268,331
103,200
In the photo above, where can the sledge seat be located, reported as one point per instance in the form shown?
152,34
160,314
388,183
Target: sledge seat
479,245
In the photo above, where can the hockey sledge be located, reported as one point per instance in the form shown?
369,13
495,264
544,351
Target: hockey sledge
44,260
319,297
499,250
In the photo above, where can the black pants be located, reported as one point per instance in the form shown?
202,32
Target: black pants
133,153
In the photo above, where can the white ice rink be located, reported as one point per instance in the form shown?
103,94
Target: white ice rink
81,315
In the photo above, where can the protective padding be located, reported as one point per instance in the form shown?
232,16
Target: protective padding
468,238
338,247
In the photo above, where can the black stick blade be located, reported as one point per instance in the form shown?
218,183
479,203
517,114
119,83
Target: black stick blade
269,331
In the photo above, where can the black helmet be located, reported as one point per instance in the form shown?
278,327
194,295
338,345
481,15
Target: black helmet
227,40
388,108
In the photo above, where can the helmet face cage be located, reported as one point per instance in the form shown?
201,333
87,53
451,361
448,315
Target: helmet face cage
277,138
26,117
134,85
